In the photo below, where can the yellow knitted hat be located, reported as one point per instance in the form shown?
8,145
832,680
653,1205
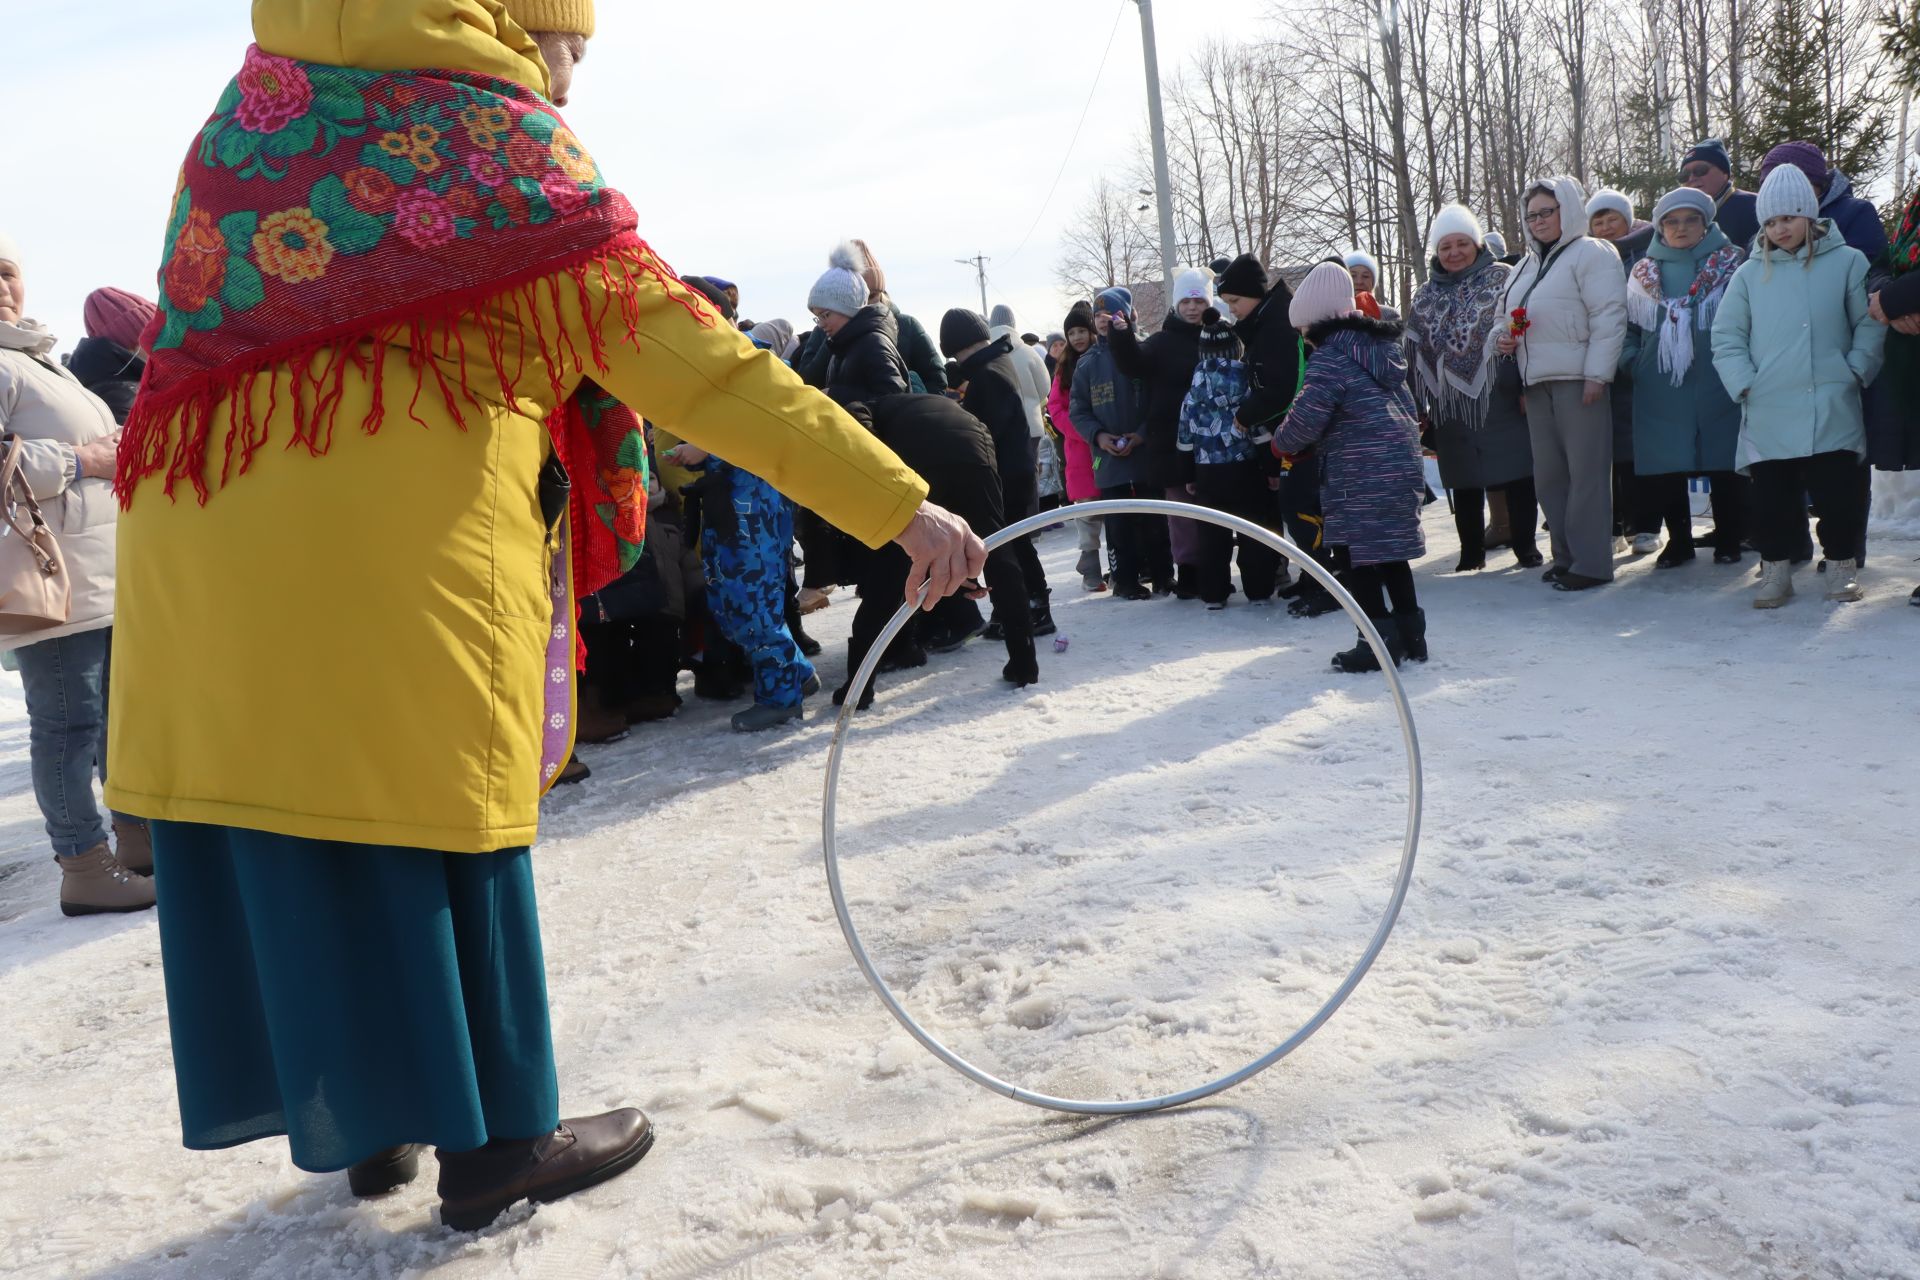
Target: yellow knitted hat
574,16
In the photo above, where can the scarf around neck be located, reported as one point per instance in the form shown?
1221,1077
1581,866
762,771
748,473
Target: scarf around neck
1905,250
325,208
1673,319
1447,328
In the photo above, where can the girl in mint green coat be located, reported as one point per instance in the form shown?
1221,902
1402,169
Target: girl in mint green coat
1794,344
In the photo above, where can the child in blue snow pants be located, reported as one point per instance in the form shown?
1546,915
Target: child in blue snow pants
745,559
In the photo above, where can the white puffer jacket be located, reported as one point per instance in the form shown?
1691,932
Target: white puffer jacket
1033,382
1575,293
53,414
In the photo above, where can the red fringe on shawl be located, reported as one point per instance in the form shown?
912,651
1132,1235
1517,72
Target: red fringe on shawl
170,433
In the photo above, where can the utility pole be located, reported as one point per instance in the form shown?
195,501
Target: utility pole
979,265
1156,119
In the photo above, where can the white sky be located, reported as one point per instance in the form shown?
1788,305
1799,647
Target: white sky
751,136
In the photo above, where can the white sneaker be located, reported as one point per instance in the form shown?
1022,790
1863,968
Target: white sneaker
1843,580
1776,584
1645,544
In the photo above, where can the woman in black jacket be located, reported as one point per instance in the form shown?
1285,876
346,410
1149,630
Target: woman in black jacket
107,361
1164,366
863,339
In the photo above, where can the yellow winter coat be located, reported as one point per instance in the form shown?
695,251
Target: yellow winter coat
352,647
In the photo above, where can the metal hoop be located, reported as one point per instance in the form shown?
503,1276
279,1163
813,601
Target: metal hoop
1402,881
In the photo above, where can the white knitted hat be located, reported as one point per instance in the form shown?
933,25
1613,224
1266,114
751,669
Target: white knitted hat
1607,200
1361,258
1192,283
842,288
1455,220
1326,294
1787,193
10,250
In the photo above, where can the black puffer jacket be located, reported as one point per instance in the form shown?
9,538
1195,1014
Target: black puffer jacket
866,363
108,370
950,449
993,396
1164,366
1273,361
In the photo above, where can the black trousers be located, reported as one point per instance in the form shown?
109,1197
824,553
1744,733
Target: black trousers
1240,489
1635,508
1138,544
1470,517
1780,487
1375,586
631,659
883,585
1668,497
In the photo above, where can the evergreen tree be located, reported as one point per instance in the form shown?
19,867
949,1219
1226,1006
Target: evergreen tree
1804,89
1643,169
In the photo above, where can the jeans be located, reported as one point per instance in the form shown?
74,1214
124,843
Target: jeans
66,683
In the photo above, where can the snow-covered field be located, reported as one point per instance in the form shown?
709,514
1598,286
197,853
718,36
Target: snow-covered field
1651,1009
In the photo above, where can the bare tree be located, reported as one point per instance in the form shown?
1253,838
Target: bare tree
1105,245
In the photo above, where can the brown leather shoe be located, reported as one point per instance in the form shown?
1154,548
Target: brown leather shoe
133,847
593,724
652,706
385,1171
478,1186
93,883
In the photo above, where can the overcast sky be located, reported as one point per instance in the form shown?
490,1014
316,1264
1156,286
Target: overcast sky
750,136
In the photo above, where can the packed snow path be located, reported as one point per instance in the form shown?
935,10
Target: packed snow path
1650,1012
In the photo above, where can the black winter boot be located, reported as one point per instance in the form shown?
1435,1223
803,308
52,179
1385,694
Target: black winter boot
1360,658
1313,601
1412,625
1023,666
385,1171
1042,606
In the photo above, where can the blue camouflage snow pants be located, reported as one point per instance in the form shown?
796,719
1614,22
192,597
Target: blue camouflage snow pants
746,570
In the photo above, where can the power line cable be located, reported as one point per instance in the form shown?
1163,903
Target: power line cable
1119,13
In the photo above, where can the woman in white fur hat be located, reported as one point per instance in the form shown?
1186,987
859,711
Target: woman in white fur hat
1471,399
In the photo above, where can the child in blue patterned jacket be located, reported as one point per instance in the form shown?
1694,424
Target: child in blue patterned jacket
1227,470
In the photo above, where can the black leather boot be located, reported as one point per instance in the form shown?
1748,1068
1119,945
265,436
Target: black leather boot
385,1171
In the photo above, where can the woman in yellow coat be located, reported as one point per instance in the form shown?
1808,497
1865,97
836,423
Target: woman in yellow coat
393,279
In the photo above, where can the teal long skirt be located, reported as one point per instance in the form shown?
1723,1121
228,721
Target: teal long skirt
352,997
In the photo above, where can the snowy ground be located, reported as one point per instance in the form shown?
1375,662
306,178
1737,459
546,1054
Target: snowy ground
1650,1012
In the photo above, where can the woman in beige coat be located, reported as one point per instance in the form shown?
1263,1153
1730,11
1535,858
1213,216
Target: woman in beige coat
66,439
1574,295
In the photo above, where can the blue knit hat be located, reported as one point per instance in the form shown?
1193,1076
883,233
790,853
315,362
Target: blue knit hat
1711,150
1116,299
